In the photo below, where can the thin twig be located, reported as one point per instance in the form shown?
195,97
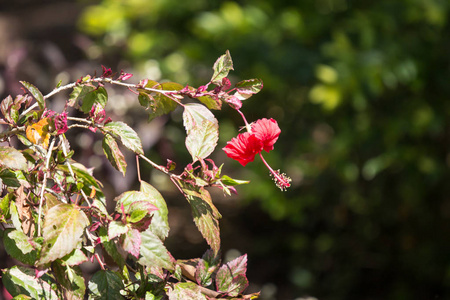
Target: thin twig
71,171
11,132
155,165
138,168
44,183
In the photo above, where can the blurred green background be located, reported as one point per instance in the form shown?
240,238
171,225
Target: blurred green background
360,90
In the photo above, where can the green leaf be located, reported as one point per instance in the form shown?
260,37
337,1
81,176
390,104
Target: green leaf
71,280
160,220
4,208
78,94
35,92
246,88
206,266
74,258
116,228
21,297
231,278
15,219
98,96
114,154
12,158
206,216
111,247
153,253
202,130
202,140
144,99
126,135
230,181
134,200
82,175
160,104
20,280
62,231
105,285
11,178
210,102
186,291
18,246
221,68
194,114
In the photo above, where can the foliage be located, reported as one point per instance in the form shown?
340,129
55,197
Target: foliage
362,90
54,211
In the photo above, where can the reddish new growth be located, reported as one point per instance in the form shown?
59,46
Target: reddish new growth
262,136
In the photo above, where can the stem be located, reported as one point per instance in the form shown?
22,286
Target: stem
102,265
79,120
11,132
155,165
249,128
138,168
44,183
100,79
63,146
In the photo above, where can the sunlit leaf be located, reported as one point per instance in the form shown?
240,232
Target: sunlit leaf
202,140
12,158
246,88
194,114
160,104
22,280
227,180
206,267
206,216
134,200
231,277
98,96
202,130
153,252
71,280
35,92
78,94
116,228
17,245
160,222
186,291
210,102
5,108
132,242
62,231
126,135
74,258
113,153
221,68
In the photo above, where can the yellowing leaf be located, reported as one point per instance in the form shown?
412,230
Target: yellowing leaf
38,133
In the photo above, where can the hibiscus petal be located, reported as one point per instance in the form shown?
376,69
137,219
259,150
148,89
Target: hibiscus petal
267,131
243,148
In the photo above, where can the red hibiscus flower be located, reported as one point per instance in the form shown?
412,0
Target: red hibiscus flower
243,148
267,131
264,133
